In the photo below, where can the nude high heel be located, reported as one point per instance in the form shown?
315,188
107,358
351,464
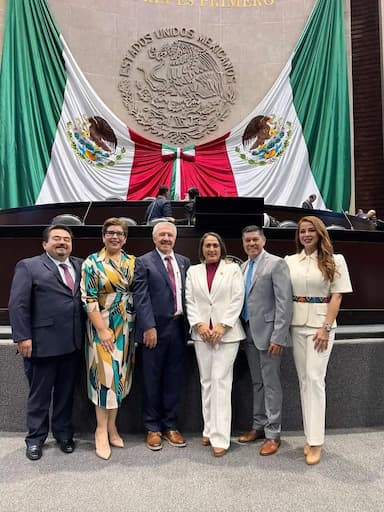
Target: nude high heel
314,455
103,450
116,441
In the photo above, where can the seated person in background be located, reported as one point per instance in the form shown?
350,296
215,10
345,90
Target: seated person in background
190,207
308,202
160,207
360,213
371,215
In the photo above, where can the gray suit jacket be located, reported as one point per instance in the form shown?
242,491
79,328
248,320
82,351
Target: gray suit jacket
269,301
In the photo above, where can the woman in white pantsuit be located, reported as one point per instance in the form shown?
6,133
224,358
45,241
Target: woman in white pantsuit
214,298
319,278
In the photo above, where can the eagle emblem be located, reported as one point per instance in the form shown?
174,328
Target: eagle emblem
264,140
93,140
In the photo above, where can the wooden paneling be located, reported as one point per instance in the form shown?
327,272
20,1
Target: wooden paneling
367,105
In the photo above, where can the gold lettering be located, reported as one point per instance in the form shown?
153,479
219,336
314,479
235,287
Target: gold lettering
229,3
226,4
167,2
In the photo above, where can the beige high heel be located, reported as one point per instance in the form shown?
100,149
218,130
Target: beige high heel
103,450
314,455
218,452
116,441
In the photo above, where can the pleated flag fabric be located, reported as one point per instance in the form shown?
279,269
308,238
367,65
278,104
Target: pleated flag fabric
60,143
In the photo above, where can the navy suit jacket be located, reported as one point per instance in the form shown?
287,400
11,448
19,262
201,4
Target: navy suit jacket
160,207
42,308
307,204
152,294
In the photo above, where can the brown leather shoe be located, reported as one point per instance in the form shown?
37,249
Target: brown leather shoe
174,438
218,452
252,435
205,441
154,441
270,446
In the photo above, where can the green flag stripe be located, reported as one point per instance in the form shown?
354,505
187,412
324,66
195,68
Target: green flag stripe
319,82
32,84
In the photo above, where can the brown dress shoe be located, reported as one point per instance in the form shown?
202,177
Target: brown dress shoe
252,435
154,441
205,441
174,438
270,446
313,456
218,452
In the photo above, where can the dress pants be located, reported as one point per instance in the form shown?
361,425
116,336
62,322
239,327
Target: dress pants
266,386
50,378
311,367
162,378
216,375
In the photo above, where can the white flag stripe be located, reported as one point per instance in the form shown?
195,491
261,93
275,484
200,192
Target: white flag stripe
70,178
288,180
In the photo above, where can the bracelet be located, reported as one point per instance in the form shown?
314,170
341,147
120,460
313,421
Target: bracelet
327,327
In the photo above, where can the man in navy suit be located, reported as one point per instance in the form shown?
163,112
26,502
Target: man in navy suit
159,299
308,203
160,207
46,317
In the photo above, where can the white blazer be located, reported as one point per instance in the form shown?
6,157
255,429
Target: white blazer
223,304
308,281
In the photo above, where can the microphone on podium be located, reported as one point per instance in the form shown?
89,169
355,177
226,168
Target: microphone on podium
348,220
86,213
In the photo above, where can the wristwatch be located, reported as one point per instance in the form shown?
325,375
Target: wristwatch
327,327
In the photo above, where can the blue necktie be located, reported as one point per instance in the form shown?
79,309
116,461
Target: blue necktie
248,282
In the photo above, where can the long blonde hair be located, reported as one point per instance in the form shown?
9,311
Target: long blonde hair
326,260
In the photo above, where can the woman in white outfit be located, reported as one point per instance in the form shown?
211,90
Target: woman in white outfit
319,278
214,300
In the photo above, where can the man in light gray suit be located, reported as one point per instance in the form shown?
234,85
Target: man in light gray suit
266,314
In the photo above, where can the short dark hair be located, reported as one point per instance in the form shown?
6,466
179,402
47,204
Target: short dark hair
223,249
251,228
193,192
115,221
163,189
50,228
312,196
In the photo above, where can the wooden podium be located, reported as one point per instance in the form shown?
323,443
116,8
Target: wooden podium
228,214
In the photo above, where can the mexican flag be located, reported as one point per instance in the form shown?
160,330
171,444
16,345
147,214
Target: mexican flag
60,143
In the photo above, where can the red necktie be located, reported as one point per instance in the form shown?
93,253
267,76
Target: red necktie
172,279
67,276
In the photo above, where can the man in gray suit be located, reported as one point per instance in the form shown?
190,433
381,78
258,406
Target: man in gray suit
47,322
266,314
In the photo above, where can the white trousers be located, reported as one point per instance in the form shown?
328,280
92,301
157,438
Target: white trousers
215,364
311,367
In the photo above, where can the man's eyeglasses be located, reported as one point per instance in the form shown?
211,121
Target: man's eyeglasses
110,234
